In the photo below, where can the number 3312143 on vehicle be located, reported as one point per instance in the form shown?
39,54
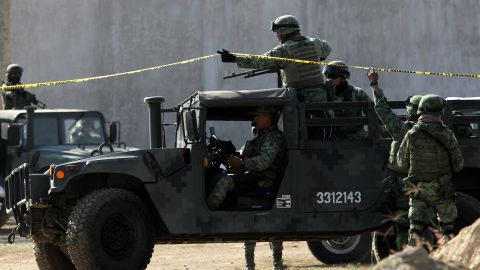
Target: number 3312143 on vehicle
339,197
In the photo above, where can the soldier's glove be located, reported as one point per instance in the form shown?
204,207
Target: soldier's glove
227,57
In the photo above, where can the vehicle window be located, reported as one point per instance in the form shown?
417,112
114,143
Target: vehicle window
83,130
46,131
4,130
236,131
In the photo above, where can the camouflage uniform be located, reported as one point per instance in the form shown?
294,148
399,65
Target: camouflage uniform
394,182
430,169
307,79
16,99
350,92
264,159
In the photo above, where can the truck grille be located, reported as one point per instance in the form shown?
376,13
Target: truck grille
17,187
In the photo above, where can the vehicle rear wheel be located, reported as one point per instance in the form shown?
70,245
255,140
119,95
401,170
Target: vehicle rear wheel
110,229
468,211
345,249
382,246
51,257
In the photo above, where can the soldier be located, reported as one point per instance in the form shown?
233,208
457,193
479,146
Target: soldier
307,79
431,155
84,132
16,98
337,73
263,163
397,130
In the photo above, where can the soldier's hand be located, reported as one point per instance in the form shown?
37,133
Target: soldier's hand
227,57
235,163
372,74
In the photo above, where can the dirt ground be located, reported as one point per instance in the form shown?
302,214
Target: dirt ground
19,256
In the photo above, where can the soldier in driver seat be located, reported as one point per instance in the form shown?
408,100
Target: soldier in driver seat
263,159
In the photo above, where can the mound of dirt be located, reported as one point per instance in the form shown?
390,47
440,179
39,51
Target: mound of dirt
414,259
462,252
464,248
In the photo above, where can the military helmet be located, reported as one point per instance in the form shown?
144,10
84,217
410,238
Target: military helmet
285,24
14,69
265,110
412,105
430,104
336,69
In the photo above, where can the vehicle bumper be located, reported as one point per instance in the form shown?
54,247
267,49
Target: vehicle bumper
24,191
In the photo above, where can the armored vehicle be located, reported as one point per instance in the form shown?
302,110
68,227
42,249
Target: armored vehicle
42,137
107,212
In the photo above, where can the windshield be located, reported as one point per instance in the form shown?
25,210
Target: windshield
83,130
68,129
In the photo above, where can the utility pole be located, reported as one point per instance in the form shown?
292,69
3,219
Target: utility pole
5,53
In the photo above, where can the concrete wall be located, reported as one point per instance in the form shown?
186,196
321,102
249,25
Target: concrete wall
56,40
4,34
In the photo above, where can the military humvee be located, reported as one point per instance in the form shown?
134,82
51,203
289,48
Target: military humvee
107,212
45,136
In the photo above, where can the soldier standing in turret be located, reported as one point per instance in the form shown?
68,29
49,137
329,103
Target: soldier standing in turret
15,98
337,73
307,79
431,154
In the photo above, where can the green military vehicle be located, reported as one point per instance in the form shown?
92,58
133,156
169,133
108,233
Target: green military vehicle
107,212
41,137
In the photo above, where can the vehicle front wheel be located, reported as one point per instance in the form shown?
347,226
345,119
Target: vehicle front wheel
345,249
110,229
51,257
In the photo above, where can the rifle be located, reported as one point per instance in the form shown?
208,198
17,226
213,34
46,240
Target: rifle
257,72
253,73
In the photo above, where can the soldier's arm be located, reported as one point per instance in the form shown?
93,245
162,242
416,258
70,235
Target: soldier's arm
325,48
362,96
256,63
403,155
393,123
2,102
269,149
454,149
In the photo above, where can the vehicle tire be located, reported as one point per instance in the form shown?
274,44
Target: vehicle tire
346,249
110,229
468,211
382,246
51,257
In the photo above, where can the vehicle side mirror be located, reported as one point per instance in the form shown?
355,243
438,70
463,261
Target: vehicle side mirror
112,135
14,134
191,125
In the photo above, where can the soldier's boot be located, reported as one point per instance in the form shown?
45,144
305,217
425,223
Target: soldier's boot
415,233
250,255
401,239
447,232
277,251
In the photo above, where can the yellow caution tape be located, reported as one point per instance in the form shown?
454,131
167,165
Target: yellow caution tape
35,85
445,74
